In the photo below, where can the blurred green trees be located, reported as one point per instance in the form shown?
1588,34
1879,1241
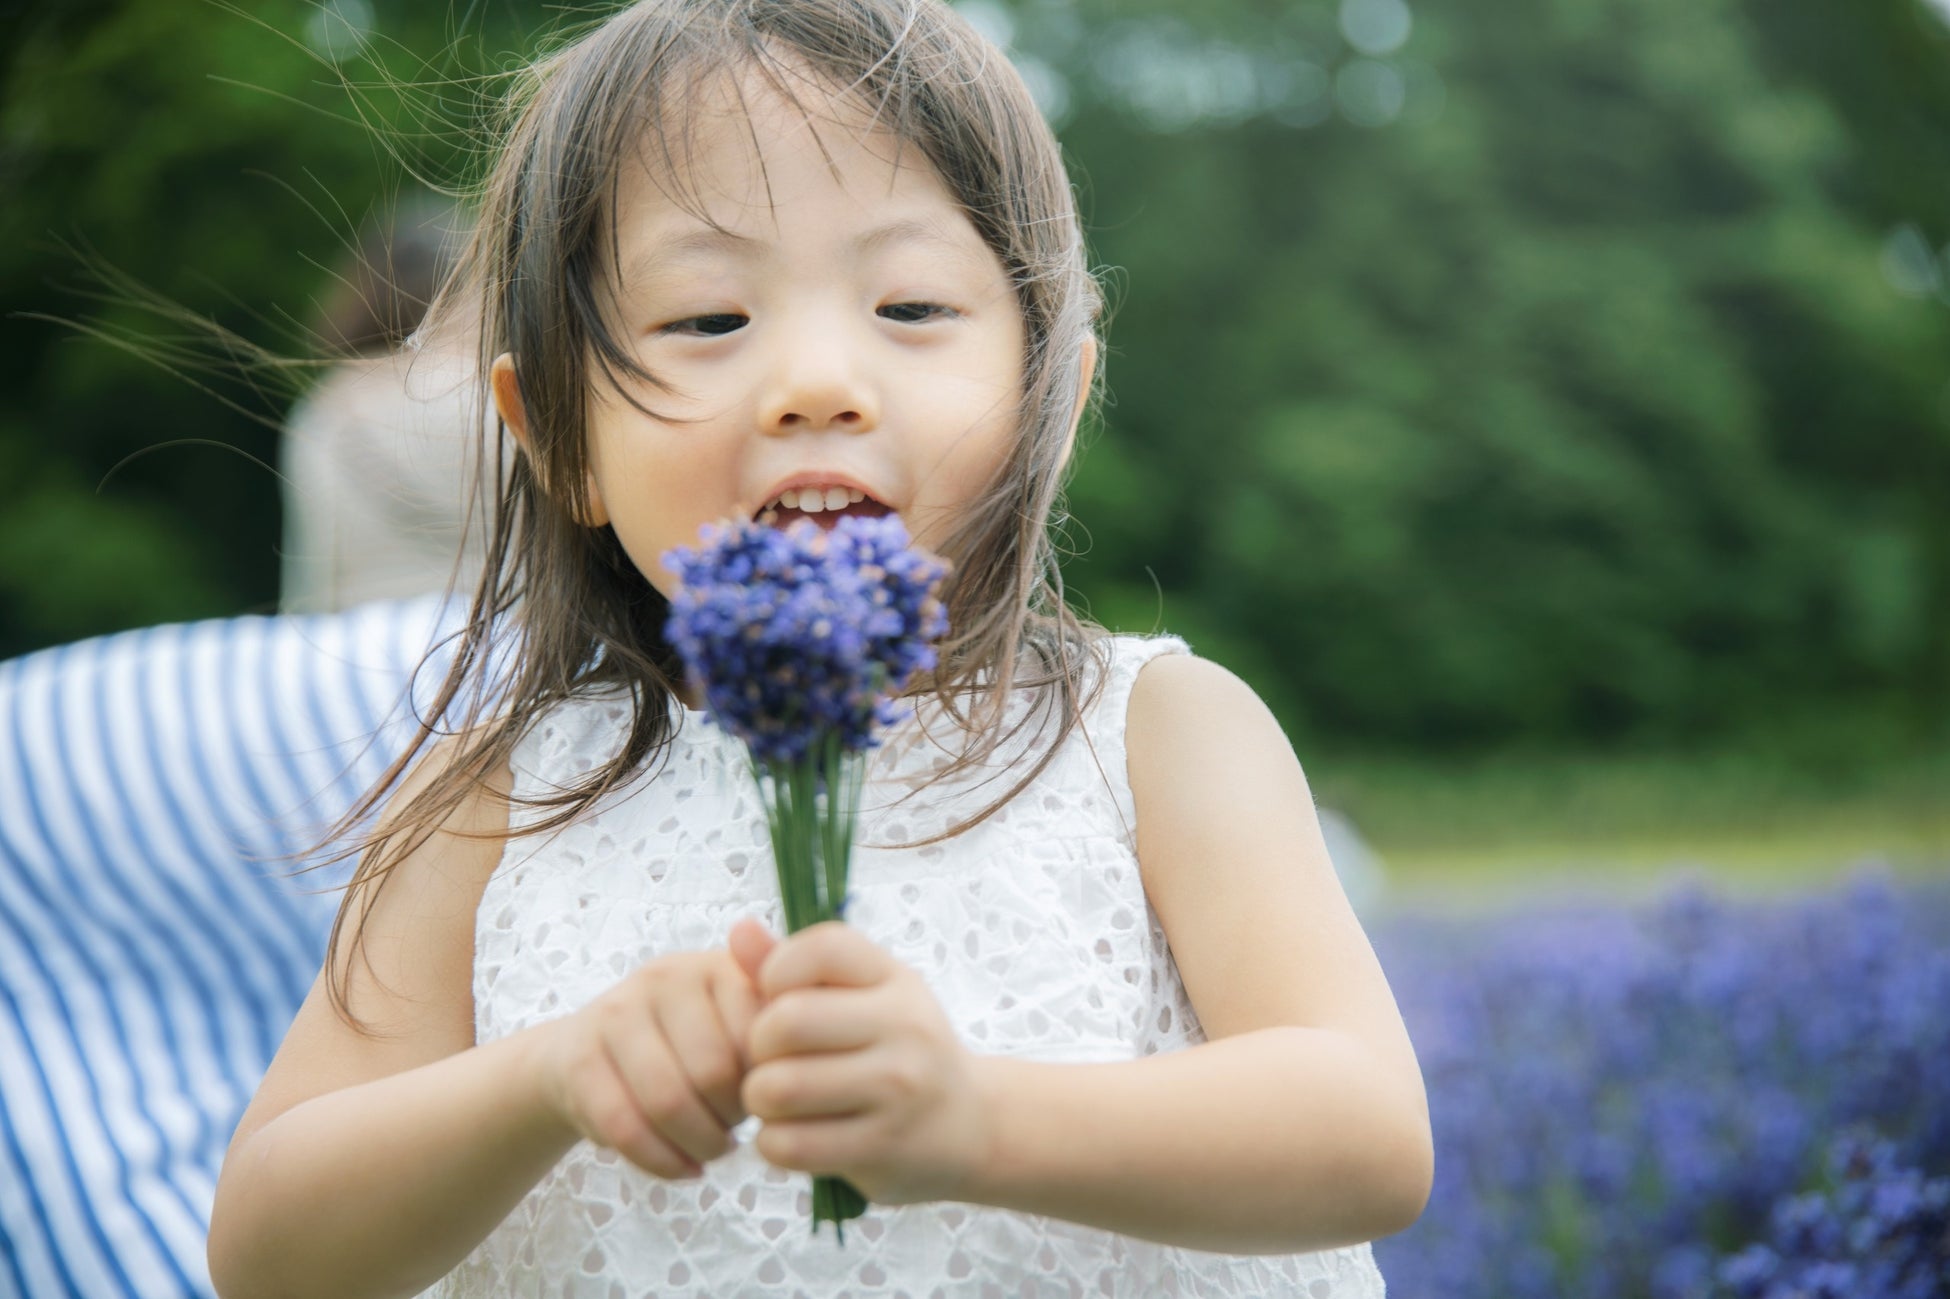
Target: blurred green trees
1542,369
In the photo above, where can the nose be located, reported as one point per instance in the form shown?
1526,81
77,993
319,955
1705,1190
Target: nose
818,380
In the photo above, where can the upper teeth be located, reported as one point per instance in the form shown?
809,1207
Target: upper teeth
811,500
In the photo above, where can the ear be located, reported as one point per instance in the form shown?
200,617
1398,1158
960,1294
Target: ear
506,385
1089,369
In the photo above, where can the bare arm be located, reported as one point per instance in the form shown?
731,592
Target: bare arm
369,1165
1279,1140
1302,1123
372,1165
382,1188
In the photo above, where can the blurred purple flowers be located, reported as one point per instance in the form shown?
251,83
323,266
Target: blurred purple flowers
1694,1100
800,639
796,634
1884,1230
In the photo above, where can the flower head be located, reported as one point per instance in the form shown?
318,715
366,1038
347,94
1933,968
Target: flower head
797,633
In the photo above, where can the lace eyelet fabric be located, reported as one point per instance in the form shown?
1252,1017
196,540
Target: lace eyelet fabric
1032,929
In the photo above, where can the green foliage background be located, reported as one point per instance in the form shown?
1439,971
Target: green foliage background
1600,392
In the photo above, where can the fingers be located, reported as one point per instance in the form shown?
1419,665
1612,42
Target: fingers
611,1116
738,1006
662,1089
750,943
831,953
668,1057
815,1145
813,1087
707,1051
812,1020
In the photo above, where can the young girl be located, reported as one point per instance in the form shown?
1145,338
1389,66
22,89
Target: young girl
1100,1021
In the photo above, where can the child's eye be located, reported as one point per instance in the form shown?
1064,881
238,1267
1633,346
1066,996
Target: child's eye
712,326
914,313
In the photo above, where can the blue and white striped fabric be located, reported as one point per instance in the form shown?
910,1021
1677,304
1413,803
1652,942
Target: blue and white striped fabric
150,958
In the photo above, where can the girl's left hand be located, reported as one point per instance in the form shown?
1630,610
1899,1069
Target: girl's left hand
855,1069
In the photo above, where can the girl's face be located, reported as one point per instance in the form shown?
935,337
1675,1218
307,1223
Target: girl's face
851,331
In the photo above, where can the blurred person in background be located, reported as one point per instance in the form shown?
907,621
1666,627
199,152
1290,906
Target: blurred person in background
373,458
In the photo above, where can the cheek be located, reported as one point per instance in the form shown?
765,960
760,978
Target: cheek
990,411
975,461
964,467
660,487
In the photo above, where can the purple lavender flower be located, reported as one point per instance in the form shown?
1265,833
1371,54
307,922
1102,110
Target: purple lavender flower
800,639
795,634
1625,1100
1883,1230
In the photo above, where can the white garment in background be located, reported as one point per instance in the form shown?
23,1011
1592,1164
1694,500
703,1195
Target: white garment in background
375,461
1032,929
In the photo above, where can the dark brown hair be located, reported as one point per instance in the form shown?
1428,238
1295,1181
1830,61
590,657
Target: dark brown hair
381,293
561,608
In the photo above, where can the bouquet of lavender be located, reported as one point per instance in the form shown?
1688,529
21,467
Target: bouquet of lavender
800,640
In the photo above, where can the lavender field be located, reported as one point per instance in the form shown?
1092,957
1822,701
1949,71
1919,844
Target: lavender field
1694,1097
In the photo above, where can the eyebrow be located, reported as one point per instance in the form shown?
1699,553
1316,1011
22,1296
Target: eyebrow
710,240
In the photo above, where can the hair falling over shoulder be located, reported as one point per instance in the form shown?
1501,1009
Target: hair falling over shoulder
559,608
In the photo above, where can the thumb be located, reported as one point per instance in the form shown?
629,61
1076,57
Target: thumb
750,944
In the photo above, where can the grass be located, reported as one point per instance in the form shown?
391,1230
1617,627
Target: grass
1792,813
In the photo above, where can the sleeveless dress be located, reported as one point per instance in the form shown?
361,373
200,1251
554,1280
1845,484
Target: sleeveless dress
1032,929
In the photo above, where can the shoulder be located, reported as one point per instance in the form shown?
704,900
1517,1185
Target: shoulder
1200,745
1228,843
1188,716
482,804
405,944
443,851
1180,691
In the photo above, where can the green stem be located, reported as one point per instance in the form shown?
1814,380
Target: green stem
812,839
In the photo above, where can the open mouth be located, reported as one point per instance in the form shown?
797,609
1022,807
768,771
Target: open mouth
825,508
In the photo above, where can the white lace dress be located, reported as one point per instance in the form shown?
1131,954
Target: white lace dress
1032,929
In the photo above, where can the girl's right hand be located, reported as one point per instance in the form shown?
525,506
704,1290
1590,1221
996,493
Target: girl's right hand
652,1068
